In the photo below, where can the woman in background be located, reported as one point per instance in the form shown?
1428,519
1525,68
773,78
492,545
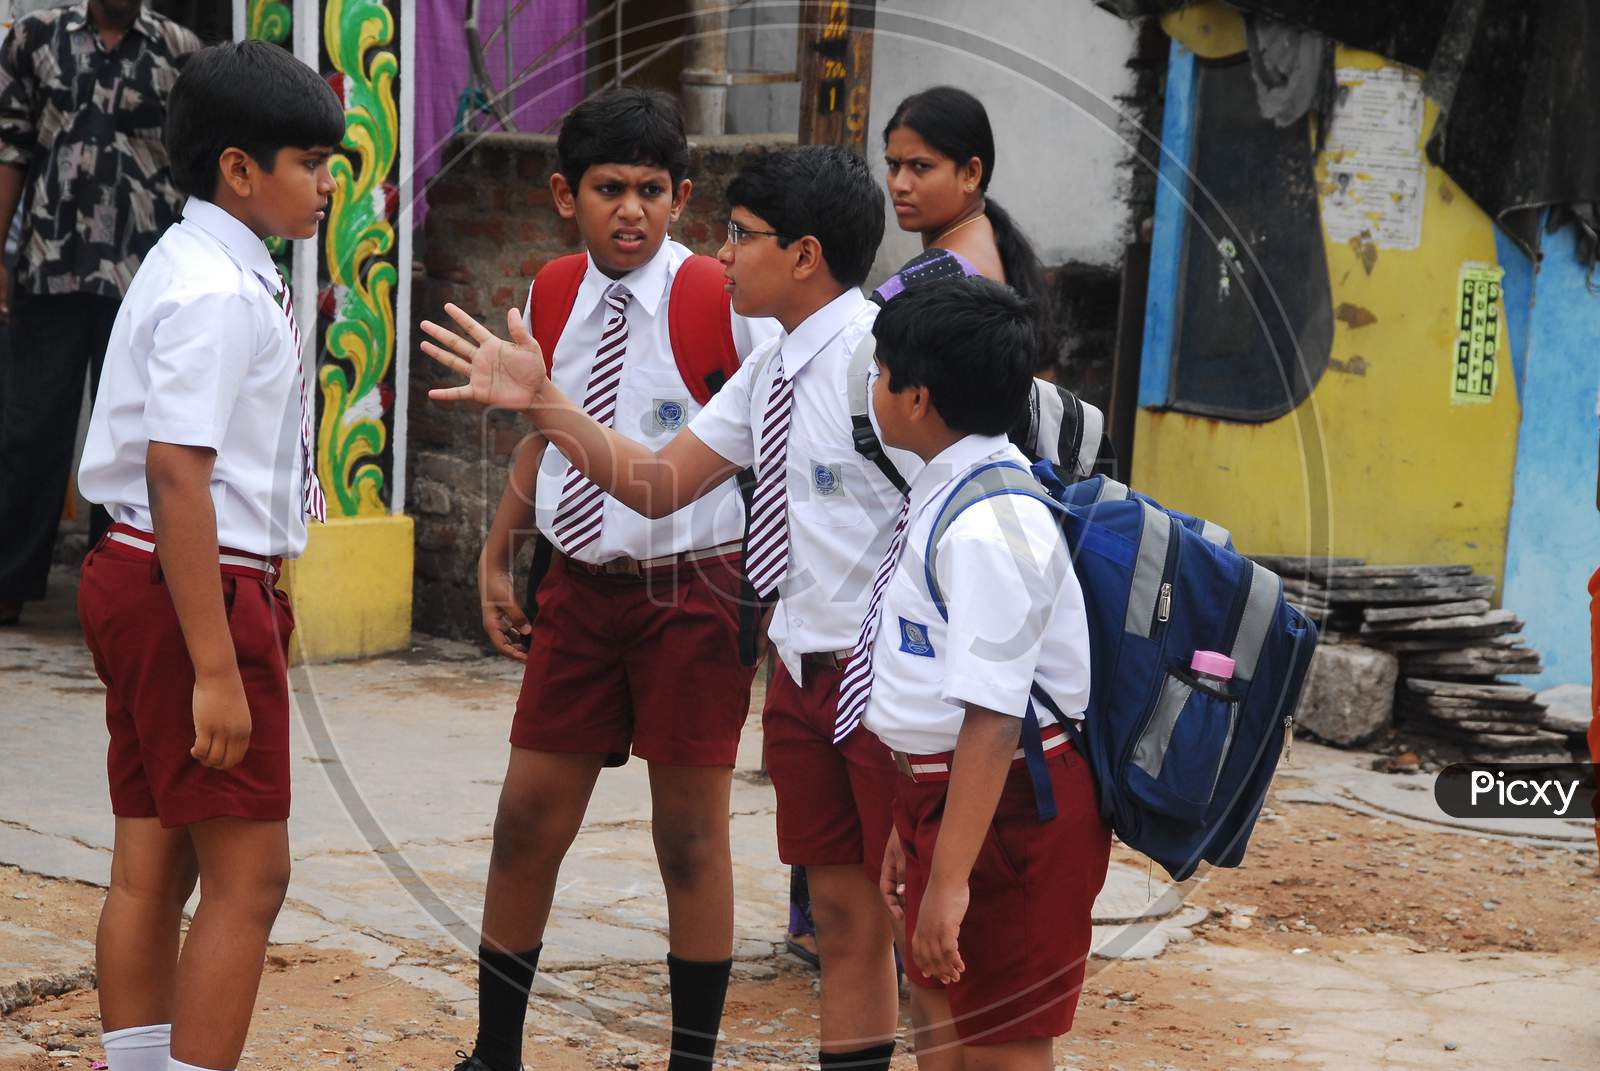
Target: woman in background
939,148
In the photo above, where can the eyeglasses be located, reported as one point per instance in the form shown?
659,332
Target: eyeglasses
737,234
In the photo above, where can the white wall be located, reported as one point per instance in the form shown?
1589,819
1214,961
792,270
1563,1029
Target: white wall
1059,172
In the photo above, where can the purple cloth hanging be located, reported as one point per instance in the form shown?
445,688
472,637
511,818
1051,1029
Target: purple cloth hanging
444,70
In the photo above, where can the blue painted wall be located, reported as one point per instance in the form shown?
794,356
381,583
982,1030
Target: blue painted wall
1172,206
1553,544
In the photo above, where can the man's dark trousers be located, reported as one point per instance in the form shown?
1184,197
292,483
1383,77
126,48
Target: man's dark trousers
55,340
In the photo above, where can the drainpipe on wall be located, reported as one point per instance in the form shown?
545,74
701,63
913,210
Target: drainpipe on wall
705,75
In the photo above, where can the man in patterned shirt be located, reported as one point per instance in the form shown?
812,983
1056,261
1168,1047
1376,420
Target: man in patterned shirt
83,99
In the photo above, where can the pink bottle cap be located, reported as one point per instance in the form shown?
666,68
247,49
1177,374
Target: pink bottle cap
1212,662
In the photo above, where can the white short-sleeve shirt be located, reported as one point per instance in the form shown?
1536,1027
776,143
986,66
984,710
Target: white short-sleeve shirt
653,405
1016,612
841,507
201,354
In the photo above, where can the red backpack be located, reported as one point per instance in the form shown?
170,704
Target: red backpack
699,318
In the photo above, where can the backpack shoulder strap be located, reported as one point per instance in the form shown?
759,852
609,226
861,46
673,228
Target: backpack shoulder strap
857,378
700,327
556,288
990,481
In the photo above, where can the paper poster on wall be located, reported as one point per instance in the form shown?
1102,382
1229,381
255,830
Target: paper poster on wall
1475,366
1374,183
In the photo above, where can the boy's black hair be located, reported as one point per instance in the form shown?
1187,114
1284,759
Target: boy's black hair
970,341
821,190
623,126
247,95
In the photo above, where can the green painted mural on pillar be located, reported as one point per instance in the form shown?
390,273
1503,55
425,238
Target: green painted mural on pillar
355,377
267,20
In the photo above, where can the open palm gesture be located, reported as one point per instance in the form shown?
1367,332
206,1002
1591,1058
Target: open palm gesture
500,374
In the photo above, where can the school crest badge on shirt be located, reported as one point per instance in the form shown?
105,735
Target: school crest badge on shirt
667,414
827,480
914,639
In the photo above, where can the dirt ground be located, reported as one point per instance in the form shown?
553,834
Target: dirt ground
1318,881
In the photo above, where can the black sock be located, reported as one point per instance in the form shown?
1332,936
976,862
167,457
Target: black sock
874,1059
503,982
698,991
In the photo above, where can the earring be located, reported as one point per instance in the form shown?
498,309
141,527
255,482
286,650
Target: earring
970,187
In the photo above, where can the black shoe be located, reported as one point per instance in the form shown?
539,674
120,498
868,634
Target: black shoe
472,1063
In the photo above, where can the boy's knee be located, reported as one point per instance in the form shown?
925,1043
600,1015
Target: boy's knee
527,828
851,925
687,850
169,888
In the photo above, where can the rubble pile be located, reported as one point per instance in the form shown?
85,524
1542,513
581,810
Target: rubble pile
1453,649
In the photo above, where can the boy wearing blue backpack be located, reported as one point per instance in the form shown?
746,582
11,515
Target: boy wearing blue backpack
996,902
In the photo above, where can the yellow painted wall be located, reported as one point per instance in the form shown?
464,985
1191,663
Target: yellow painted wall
351,589
1377,463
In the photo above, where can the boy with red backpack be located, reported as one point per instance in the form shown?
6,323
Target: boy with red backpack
634,646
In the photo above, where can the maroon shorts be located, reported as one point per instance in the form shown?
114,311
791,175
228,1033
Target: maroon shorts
132,631
1025,938
647,665
835,801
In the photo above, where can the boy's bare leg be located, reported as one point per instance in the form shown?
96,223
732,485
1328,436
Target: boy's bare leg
153,871
690,828
860,1002
938,1044
541,808
244,873
1029,1054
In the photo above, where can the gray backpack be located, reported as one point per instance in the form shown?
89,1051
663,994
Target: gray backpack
1058,427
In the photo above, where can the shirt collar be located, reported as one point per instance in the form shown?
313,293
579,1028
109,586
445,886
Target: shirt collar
955,460
820,328
77,18
237,240
646,283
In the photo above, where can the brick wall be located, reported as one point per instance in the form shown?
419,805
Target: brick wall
490,227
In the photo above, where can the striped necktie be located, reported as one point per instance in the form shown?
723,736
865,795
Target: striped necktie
578,517
767,550
857,683
312,499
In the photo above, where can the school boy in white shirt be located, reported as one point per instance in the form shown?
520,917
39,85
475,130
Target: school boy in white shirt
199,448
634,648
996,902
804,228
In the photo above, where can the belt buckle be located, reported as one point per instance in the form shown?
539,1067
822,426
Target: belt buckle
621,567
902,762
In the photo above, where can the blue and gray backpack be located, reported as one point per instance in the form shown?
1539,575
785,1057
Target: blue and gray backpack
1181,765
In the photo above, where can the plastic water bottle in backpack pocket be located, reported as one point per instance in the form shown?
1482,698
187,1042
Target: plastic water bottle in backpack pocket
1180,750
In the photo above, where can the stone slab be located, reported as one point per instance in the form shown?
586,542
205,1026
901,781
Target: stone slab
1349,596
1286,565
36,964
1504,742
1512,693
1447,709
1378,615
1502,728
1493,623
1568,708
1410,645
1472,671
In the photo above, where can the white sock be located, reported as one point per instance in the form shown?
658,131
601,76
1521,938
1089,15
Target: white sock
179,1065
138,1048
